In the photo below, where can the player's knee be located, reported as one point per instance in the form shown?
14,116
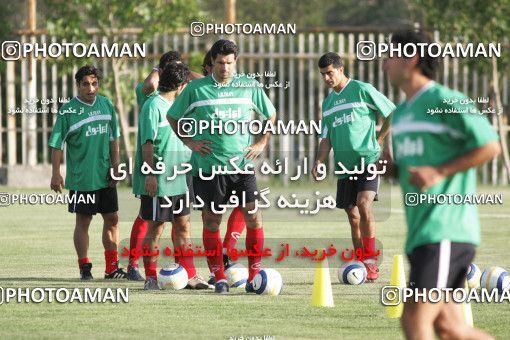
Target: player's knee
364,206
83,221
352,214
211,225
111,220
408,319
253,221
448,330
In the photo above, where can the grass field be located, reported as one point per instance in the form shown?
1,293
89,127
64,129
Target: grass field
37,251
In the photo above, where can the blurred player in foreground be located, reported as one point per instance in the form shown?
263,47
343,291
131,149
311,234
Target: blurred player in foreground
227,99
349,119
436,154
88,126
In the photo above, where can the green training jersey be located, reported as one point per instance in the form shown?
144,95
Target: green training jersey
204,100
421,138
349,121
141,97
153,126
87,129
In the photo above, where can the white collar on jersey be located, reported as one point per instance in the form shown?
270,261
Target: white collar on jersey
78,99
343,88
421,91
217,82
166,100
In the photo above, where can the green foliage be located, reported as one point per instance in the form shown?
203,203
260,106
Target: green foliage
471,21
313,13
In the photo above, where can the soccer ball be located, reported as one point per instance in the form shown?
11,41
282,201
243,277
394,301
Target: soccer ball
473,276
352,272
495,278
173,276
268,281
237,275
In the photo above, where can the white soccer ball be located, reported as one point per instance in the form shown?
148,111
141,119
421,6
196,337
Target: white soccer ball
173,276
495,278
473,276
268,281
237,275
352,272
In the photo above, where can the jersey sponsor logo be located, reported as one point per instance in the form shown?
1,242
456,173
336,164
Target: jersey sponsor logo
410,147
94,113
343,119
97,130
229,113
225,94
338,102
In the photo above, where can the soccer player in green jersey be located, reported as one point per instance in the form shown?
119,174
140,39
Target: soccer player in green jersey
221,98
349,117
157,142
88,126
143,91
436,154
236,223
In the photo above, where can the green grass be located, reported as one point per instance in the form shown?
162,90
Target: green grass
37,251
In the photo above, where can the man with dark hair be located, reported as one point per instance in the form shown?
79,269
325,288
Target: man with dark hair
207,64
236,223
436,154
144,91
150,84
349,118
157,142
219,98
88,125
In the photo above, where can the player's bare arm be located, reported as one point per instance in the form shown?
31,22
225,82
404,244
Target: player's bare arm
114,161
200,146
57,181
322,154
150,84
385,129
151,183
256,148
194,75
425,177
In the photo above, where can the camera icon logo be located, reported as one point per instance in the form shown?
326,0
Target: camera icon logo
11,50
365,50
4,199
197,29
390,296
187,127
411,199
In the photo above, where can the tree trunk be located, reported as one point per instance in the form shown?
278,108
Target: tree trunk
120,108
499,108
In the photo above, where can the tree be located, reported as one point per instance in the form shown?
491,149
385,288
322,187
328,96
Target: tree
72,19
480,22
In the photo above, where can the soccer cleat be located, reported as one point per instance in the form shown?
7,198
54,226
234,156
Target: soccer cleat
197,282
212,279
117,274
151,284
221,287
249,287
133,274
226,261
85,273
372,270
